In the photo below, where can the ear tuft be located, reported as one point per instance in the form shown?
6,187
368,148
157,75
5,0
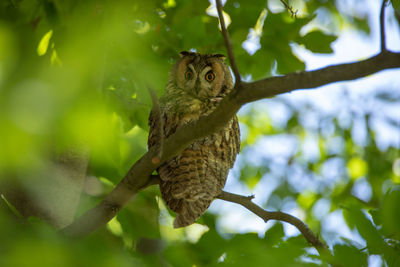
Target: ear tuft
184,53
221,56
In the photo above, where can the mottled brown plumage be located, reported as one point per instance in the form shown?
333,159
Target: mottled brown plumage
191,181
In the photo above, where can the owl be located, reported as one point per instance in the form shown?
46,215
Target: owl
190,181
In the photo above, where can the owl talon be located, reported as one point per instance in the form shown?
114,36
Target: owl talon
216,99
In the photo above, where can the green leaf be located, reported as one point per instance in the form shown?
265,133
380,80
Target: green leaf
357,168
362,24
251,175
44,43
367,230
317,42
210,247
180,254
289,63
140,218
376,216
396,5
391,214
347,255
274,234
259,65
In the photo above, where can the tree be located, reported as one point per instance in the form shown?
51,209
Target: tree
75,78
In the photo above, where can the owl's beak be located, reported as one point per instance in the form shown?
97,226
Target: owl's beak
197,86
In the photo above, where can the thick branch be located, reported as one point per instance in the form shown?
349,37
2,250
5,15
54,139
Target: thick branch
228,43
311,79
138,175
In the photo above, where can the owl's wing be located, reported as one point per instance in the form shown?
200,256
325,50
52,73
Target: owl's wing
170,122
235,141
154,129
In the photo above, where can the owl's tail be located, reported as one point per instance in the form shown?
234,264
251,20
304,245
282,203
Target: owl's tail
190,211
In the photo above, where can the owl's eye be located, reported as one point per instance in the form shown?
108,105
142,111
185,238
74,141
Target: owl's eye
188,75
210,76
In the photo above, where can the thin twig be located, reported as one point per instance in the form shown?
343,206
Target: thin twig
228,43
157,112
382,26
289,8
275,215
313,239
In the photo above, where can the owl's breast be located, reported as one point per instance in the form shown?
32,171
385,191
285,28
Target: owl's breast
188,109
194,105
181,108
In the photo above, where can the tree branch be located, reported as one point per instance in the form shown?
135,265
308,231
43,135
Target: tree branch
382,26
273,86
313,239
228,43
153,180
275,215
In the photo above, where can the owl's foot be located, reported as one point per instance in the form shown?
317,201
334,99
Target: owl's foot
216,99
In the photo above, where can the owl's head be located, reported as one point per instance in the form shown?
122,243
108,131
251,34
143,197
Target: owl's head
202,76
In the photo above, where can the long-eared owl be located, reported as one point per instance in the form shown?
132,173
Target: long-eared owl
191,180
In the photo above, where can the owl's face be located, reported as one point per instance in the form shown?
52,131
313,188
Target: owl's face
202,76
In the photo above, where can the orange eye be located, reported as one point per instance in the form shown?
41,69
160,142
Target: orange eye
188,75
210,76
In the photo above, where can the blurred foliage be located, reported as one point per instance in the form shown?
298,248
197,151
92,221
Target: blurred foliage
78,72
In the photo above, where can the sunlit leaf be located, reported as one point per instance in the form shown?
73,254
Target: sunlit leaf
44,43
169,4
357,168
306,199
55,60
115,227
